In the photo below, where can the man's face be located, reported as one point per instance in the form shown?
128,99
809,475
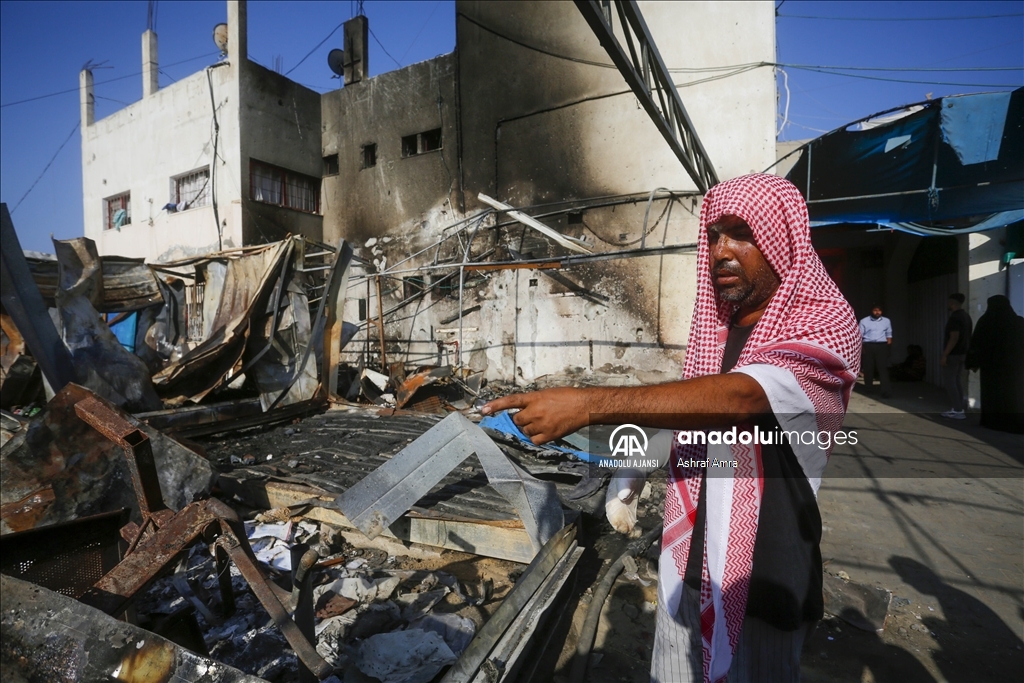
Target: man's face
739,271
876,312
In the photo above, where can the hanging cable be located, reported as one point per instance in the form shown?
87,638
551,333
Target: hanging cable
979,16
109,80
384,48
52,159
213,161
333,31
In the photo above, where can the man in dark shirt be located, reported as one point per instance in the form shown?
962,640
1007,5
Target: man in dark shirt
954,351
772,342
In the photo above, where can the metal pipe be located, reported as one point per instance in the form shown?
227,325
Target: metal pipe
462,280
589,630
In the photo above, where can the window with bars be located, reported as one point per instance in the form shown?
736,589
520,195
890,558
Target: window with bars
274,185
192,189
118,211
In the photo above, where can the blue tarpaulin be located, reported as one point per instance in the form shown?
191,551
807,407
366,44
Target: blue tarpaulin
502,422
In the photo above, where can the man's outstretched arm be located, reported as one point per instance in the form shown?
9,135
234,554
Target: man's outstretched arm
701,403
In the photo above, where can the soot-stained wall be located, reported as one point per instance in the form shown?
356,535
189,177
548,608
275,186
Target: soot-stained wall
534,113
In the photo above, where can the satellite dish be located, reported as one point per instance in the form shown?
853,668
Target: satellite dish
336,60
220,37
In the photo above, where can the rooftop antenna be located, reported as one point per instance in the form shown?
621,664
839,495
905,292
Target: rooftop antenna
336,60
220,38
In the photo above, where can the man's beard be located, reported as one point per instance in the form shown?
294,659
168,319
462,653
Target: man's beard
747,292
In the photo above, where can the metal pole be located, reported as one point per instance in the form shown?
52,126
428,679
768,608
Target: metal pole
380,328
462,275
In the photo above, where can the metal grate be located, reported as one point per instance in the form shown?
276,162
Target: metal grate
67,558
192,189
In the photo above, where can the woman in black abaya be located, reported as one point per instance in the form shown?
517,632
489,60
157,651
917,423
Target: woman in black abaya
997,349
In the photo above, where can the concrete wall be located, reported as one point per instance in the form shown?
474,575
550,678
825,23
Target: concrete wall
279,124
142,147
534,128
398,194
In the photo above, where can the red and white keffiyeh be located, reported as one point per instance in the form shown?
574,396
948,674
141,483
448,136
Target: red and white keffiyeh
805,353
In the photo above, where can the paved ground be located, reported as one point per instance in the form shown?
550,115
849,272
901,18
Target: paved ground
932,510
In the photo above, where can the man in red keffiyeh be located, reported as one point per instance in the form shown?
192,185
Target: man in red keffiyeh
773,345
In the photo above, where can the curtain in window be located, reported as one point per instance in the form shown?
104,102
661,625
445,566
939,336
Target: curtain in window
301,193
194,190
266,184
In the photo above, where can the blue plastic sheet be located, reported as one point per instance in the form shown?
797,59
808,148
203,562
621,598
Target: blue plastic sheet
502,422
973,126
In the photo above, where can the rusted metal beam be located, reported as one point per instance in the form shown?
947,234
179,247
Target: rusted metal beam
24,303
137,451
646,74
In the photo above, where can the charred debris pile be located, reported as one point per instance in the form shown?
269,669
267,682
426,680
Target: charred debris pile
195,487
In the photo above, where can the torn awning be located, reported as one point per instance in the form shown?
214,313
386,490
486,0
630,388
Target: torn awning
943,160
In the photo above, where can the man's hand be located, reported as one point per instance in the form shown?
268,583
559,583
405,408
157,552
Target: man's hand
545,415
942,360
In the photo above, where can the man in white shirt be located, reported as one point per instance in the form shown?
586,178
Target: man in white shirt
876,337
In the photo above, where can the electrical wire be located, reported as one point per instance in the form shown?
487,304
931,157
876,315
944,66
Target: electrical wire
384,48
52,159
333,31
736,69
422,26
905,68
980,16
907,80
109,80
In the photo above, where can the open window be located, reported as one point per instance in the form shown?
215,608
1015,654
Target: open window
421,143
117,211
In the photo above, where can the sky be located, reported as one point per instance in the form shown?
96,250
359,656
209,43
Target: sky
43,46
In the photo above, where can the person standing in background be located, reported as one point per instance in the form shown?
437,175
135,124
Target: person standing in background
876,340
954,351
997,349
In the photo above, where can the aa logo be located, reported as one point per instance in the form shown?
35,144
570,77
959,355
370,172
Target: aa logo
628,441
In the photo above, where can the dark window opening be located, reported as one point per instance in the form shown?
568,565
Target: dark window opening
409,146
430,140
575,218
370,155
421,143
331,164
362,309
273,185
411,286
446,285
533,282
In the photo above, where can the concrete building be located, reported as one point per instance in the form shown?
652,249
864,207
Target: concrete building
529,110
226,157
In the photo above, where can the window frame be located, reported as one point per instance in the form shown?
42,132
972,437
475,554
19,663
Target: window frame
125,198
368,154
204,192
421,140
284,175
